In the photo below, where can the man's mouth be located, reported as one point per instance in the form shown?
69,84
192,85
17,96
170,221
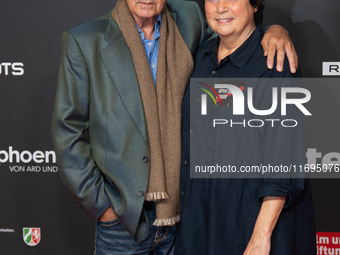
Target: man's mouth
146,3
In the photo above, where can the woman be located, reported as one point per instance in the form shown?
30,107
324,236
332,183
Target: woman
243,216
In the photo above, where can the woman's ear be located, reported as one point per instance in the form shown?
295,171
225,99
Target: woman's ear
256,8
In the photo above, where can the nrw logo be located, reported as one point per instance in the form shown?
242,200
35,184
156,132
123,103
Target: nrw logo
31,236
26,156
331,68
8,68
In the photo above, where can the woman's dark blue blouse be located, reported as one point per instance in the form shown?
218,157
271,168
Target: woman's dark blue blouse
218,215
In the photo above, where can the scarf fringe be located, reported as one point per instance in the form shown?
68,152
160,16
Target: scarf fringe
155,196
167,222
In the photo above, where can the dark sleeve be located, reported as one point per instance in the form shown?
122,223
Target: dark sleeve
70,123
283,145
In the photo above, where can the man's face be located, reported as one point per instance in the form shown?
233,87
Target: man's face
145,9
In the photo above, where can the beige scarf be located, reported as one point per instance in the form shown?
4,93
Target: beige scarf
162,108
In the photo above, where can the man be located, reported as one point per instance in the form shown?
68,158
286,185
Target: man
116,124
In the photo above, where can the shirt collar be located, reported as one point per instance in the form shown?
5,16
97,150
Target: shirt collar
240,56
156,33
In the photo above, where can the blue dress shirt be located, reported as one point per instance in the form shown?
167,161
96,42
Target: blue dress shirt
151,47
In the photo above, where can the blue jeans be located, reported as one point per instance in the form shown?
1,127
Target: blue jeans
113,239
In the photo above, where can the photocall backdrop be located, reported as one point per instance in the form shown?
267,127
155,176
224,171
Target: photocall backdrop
37,213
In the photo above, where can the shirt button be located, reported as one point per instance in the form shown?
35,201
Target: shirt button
198,100
185,162
149,43
146,160
191,131
182,193
141,193
153,65
213,72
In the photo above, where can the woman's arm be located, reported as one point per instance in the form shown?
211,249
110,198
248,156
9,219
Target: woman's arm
259,243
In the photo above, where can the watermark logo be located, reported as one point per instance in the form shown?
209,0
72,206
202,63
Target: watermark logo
31,236
222,94
238,99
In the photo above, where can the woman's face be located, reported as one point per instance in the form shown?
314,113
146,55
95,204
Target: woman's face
230,17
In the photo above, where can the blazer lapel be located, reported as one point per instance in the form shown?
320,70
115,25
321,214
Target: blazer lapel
118,61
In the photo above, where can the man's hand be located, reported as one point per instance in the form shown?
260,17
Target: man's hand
108,215
276,41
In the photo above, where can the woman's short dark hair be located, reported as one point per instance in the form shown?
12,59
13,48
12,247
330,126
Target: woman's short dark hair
258,16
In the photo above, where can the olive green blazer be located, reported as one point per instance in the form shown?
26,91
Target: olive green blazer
98,127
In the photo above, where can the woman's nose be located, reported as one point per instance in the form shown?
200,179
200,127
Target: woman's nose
222,6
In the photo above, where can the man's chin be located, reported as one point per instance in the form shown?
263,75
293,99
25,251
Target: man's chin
147,13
